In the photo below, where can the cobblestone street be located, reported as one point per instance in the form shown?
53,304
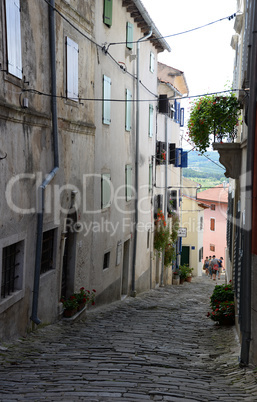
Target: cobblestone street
158,346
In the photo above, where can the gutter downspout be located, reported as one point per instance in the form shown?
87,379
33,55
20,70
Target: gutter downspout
133,287
165,192
51,175
247,246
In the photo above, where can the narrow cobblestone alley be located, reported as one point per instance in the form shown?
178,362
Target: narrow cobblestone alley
158,346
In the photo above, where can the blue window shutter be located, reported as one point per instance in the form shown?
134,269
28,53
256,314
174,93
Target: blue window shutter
150,128
72,69
130,29
176,111
106,102
14,37
184,159
178,157
128,172
182,112
128,110
108,12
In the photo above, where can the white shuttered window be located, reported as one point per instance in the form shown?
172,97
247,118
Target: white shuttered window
13,26
106,103
128,110
72,69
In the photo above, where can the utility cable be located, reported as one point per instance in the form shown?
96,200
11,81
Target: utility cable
230,17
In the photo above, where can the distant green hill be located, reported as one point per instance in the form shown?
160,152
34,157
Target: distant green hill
205,169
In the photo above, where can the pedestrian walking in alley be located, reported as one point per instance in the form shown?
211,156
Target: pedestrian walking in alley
210,267
220,261
206,265
215,267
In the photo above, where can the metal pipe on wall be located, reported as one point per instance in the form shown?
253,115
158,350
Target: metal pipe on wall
51,175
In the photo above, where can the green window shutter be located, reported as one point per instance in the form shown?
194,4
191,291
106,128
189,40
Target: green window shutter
106,102
150,177
72,69
13,26
128,110
128,173
152,62
130,28
108,12
150,132
106,190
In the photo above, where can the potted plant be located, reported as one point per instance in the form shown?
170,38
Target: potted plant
161,234
212,114
189,274
222,304
84,297
77,301
70,306
183,273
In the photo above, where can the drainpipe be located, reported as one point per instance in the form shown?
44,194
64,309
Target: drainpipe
133,287
51,175
247,245
165,191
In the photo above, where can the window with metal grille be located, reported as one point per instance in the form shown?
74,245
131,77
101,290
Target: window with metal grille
10,269
47,251
213,207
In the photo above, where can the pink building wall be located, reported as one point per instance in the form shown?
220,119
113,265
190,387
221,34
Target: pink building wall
217,197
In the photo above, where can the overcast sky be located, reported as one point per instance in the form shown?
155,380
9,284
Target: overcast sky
205,55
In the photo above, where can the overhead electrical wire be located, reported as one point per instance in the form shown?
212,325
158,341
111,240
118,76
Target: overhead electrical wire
230,17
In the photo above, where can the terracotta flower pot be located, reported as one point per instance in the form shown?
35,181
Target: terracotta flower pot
81,306
188,278
69,313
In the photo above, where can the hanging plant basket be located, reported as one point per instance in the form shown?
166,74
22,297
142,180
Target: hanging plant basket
213,115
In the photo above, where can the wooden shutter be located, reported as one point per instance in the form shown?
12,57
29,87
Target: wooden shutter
128,172
14,37
150,121
128,110
106,103
130,29
106,190
72,69
108,12
212,224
